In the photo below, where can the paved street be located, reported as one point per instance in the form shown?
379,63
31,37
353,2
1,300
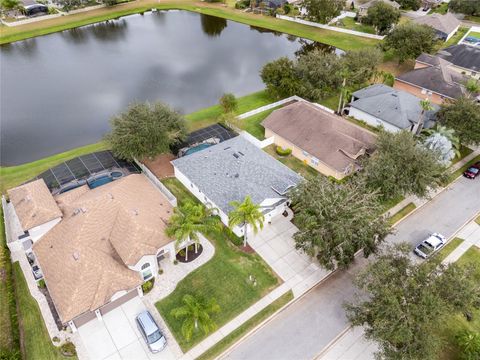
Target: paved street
306,327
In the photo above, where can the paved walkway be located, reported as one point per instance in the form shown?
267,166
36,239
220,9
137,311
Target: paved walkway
471,237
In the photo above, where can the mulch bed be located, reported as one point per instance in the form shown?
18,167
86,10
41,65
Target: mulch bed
246,249
161,166
191,254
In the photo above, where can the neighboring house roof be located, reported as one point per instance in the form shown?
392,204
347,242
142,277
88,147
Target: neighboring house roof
85,257
432,60
439,79
372,2
443,23
33,203
396,107
330,138
467,57
235,168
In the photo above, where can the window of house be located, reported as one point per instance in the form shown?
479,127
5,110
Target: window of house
314,161
146,271
305,153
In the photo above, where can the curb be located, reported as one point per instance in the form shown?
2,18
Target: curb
333,342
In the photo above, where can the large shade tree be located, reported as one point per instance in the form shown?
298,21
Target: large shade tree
280,78
400,166
246,214
188,221
323,11
337,220
409,40
359,66
382,16
196,313
401,304
463,116
145,130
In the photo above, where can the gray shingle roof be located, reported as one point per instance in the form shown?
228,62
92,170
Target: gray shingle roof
396,107
467,57
444,23
235,168
439,79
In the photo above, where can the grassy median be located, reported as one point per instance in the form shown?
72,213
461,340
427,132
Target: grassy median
340,40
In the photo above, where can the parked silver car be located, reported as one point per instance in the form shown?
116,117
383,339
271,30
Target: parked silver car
150,331
428,246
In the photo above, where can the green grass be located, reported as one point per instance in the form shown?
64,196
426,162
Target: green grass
11,176
454,324
331,102
179,191
210,115
225,277
477,220
388,204
243,329
464,151
253,126
473,18
407,209
36,341
349,23
340,40
442,9
453,40
454,175
9,335
452,245
293,163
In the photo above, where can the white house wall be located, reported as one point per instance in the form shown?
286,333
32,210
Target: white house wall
38,231
371,120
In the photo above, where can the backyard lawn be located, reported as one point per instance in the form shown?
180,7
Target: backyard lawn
293,163
253,126
454,324
36,341
225,278
349,23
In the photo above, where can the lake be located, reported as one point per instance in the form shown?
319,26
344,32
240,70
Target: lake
59,91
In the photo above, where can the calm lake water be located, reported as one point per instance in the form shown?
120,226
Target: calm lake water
59,91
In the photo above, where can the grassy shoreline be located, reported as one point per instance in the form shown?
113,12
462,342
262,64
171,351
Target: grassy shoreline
340,40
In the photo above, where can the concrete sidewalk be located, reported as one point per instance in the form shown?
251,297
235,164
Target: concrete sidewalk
471,237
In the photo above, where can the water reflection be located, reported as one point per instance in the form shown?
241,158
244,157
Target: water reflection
212,26
308,45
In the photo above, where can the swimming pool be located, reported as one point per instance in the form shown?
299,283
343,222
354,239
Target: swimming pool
197,148
99,181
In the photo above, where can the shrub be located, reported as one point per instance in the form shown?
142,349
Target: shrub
160,271
228,102
283,152
388,78
68,349
242,4
469,343
41,284
147,286
182,253
287,8
175,262
280,11
55,339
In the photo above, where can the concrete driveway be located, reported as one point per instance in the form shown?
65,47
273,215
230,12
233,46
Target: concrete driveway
117,336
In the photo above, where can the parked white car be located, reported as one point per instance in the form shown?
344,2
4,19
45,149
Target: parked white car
428,246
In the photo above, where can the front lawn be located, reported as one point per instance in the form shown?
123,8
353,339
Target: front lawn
454,324
452,245
36,341
225,277
293,163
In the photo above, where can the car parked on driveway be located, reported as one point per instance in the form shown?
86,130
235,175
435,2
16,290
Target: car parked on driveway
473,171
150,331
428,246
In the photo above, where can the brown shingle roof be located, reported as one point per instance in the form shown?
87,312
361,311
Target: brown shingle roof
34,204
85,257
330,138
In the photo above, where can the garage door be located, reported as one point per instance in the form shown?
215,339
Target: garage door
116,303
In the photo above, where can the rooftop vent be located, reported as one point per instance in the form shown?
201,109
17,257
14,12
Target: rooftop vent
76,256
84,210
236,156
237,175
135,212
76,211
110,196
241,153
228,147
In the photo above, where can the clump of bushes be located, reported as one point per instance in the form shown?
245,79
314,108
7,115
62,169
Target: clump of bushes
41,284
160,271
242,4
68,349
283,152
147,286
469,343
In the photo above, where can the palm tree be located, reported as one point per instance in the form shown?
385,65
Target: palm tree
196,312
246,213
426,106
446,132
188,220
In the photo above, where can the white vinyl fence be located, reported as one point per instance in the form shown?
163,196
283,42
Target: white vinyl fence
163,189
332,28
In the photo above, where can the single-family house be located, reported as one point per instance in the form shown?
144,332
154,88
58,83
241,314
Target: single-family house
233,170
445,26
363,8
110,239
463,58
435,80
394,110
323,140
